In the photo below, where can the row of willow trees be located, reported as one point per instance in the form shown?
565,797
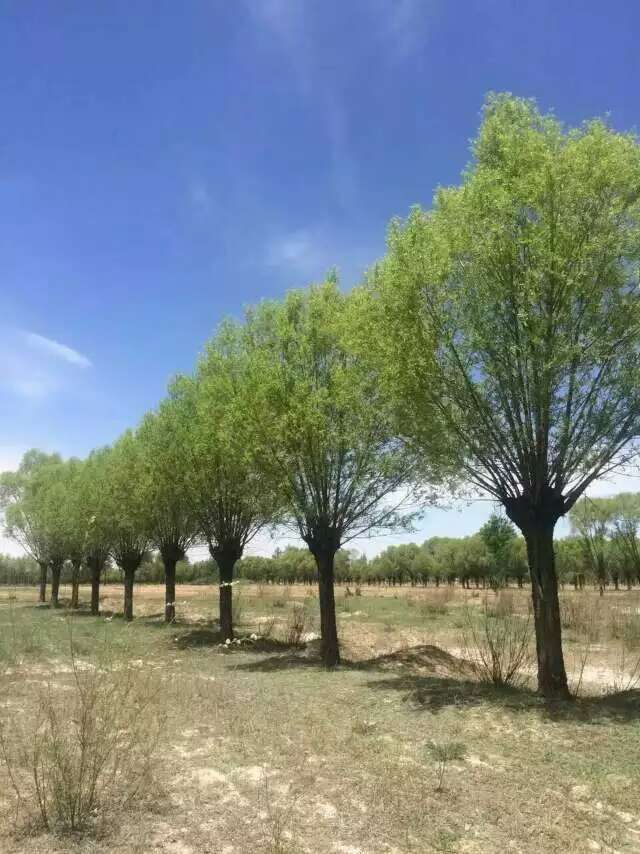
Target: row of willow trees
602,551
495,347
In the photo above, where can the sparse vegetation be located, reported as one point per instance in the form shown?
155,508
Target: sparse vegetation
298,757
88,749
497,641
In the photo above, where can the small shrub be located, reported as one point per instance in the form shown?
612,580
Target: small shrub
87,753
443,753
498,646
266,628
627,673
297,625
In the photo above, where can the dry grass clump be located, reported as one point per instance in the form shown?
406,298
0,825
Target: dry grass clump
498,644
626,672
502,605
581,615
88,751
436,602
299,623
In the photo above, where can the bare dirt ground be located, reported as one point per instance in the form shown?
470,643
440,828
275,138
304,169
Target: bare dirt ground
263,751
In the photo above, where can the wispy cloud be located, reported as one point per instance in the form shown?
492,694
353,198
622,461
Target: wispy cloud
296,249
405,26
393,31
308,254
58,351
35,367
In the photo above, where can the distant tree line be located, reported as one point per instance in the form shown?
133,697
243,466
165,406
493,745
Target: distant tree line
602,551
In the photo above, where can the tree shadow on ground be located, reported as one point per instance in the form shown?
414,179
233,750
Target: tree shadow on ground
434,693
211,636
432,679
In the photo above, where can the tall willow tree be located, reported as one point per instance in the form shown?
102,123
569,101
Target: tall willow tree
72,521
591,521
100,529
231,497
127,510
173,520
510,314
23,500
322,431
625,517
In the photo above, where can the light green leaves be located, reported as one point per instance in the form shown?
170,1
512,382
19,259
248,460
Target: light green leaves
510,312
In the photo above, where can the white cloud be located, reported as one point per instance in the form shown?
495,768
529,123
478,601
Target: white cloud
299,251
58,351
34,367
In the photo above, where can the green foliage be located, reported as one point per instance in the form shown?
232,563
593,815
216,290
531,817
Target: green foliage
321,429
126,507
443,753
510,312
165,480
231,497
31,507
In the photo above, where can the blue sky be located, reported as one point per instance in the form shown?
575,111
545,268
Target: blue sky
163,164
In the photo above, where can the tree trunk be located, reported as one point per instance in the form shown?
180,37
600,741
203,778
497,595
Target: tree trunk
96,571
552,677
169,589
330,649
129,576
75,585
226,564
56,570
42,596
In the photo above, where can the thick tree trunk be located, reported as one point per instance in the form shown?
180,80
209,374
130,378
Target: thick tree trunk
96,571
42,595
75,585
226,564
330,648
129,576
169,589
552,677
56,570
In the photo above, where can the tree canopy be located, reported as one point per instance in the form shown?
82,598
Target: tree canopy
510,314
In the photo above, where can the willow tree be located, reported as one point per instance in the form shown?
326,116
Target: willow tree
173,520
26,498
127,510
322,431
625,518
98,521
591,522
509,313
230,496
